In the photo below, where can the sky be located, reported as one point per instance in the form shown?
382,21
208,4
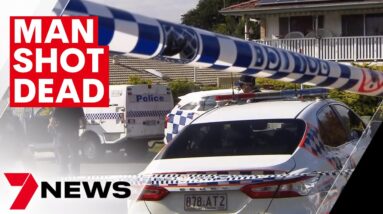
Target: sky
168,10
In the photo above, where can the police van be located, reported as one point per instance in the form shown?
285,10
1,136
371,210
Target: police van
136,113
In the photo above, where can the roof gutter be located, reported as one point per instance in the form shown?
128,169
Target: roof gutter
303,8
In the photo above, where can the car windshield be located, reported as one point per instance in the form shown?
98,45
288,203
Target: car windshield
232,138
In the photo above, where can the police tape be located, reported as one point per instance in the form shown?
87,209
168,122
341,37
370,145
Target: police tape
143,37
205,179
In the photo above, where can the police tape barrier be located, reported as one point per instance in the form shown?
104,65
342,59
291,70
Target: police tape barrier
206,179
134,35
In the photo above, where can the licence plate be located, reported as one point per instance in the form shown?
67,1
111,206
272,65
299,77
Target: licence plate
205,202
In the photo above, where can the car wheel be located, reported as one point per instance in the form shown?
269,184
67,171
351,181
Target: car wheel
91,150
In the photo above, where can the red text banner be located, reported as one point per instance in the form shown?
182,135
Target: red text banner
57,62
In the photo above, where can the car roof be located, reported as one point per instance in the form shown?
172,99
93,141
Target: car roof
199,94
282,109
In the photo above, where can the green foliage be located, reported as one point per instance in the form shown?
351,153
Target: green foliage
206,16
275,84
182,87
371,66
135,80
361,104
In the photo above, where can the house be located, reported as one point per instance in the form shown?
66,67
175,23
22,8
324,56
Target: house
339,30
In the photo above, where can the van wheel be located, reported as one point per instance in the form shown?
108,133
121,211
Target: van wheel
91,150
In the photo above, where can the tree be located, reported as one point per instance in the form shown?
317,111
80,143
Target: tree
182,87
206,16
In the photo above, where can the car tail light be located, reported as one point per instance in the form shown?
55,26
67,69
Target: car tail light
153,193
281,189
166,121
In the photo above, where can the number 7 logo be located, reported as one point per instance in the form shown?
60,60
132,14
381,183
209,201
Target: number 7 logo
28,188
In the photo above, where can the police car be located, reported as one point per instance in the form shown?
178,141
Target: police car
190,107
265,137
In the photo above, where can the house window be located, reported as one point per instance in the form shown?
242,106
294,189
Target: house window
374,24
362,25
283,26
352,25
303,24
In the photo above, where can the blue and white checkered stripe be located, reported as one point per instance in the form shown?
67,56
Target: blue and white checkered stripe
102,116
177,120
143,37
174,180
146,113
123,32
314,145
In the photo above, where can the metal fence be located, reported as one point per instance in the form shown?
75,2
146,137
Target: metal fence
365,48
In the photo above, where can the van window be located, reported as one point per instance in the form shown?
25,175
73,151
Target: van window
232,138
331,129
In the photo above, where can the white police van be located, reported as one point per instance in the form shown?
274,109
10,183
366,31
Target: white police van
136,113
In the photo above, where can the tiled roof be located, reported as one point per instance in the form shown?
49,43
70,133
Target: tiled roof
243,5
256,4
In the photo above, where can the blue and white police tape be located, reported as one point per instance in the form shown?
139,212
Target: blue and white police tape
207,179
143,37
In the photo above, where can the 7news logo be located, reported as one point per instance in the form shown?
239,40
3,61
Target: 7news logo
71,189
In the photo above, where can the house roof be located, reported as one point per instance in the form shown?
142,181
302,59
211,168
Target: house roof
255,7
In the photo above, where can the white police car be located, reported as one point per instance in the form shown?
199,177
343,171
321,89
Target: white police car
269,137
190,107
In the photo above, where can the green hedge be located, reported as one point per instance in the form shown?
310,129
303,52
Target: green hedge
182,87
361,104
